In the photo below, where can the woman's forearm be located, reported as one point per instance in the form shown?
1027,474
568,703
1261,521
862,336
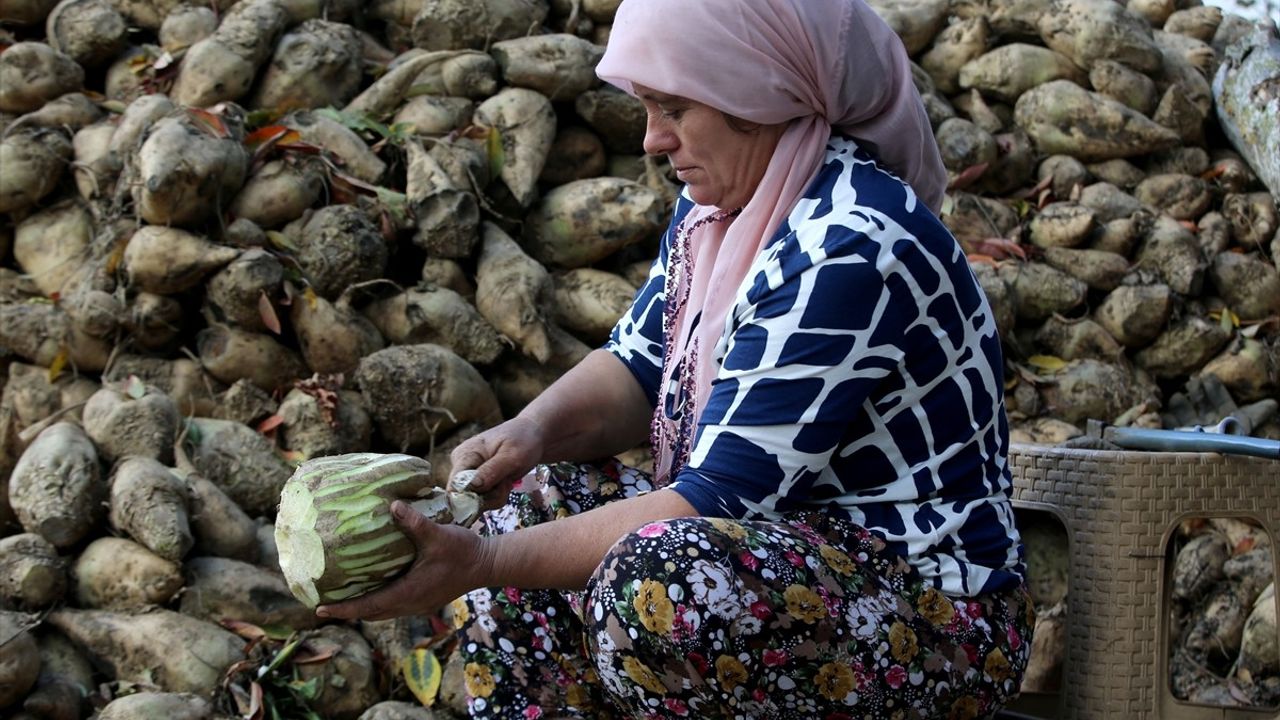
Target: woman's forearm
595,410
561,555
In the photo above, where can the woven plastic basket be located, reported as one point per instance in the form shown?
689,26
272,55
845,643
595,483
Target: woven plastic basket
1120,509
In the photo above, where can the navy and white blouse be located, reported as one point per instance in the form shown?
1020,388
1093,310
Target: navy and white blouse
859,373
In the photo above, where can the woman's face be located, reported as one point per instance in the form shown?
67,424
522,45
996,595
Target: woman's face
720,165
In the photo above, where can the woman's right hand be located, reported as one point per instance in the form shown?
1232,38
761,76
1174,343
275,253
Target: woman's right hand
501,456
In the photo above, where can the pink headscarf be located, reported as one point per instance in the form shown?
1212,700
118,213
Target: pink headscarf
815,64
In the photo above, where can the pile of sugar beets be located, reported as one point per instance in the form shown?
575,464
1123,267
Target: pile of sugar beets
237,235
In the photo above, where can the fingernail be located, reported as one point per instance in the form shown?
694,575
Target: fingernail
322,612
399,509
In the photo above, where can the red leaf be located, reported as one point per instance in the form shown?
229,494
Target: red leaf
999,248
270,424
248,631
324,388
293,144
387,226
268,313
264,135
438,626
1039,188
979,258
340,190
211,122
316,657
968,176
470,132
1213,172
238,667
1046,197
356,183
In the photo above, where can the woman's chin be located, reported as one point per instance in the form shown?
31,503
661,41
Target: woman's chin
702,195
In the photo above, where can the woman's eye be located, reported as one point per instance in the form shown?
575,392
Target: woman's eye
670,114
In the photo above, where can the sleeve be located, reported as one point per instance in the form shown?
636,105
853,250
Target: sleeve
801,359
636,339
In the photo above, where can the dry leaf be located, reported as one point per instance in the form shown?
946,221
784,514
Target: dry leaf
246,630
210,122
999,248
268,313
968,176
1048,363
324,388
255,702
59,362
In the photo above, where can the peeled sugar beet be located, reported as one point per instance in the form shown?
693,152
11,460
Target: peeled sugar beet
334,529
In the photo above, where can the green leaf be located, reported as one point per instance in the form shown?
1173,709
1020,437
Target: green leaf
422,673
277,632
400,132
497,156
358,123
285,653
281,241
308,690
396,203
258,118
193,434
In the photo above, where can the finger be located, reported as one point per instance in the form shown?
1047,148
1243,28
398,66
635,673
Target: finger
395,598
469,455
421,531
379,604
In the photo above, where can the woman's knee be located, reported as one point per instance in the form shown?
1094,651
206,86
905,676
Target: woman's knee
632,556
630,585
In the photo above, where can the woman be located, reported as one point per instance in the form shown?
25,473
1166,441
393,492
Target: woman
828,531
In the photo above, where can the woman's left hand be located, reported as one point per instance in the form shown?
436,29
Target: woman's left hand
451,561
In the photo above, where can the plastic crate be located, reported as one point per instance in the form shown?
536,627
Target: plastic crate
1120,509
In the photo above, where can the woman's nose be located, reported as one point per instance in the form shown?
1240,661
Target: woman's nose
658,138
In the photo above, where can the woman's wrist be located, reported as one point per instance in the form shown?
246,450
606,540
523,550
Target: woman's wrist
536,433
484,565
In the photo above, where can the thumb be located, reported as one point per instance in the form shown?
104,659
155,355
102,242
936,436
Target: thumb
493,482
420,529
467,456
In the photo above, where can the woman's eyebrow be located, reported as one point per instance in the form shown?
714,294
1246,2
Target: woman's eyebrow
655,96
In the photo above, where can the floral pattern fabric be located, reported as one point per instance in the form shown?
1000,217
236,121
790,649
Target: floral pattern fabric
809,617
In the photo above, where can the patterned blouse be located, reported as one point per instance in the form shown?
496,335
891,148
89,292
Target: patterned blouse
860,373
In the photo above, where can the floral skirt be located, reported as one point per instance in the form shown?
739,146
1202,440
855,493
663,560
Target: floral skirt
811,617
